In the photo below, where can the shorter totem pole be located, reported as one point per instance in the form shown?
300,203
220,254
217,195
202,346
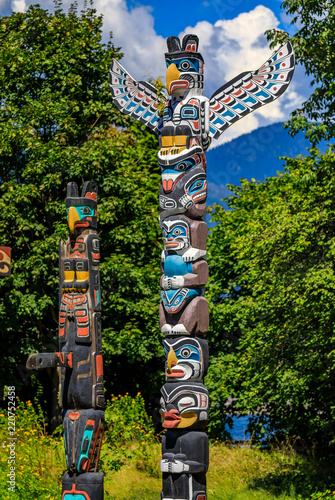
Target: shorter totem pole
79,359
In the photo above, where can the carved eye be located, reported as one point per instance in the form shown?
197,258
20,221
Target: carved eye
185,403
165,233
176,232
184,65
86,210
188,352
185,352
197,185
181,166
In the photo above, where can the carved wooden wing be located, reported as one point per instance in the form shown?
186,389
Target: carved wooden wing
137,99
250,90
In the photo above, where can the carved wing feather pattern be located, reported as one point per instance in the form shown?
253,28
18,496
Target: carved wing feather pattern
250,90
137,99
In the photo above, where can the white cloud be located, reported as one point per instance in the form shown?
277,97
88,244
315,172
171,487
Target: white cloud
19,6
133,30
229,47
232,46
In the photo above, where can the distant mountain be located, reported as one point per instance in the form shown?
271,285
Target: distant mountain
251,155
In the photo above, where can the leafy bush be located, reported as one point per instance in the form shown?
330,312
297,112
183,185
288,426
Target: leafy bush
129,434
39,459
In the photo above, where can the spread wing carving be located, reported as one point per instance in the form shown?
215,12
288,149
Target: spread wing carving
137,99
250,90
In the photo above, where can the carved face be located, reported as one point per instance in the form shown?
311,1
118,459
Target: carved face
192,190
81,210
195,190
79,217
175,300
184,65
172,174
185,359
183,73
176,235
184,406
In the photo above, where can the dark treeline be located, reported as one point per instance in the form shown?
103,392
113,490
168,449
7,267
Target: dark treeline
271,253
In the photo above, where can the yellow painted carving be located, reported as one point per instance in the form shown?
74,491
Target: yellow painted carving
167,141
72,218
172,74
180,140
170,359
173,144
69,276
82,275
187,419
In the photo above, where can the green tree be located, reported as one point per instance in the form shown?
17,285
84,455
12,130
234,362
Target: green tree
272,269
58,124
272,272
314,46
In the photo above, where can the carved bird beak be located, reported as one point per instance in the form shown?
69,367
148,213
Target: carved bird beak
172,360
72,218
172,74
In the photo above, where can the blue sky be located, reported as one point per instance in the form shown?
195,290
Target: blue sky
231,36
190,12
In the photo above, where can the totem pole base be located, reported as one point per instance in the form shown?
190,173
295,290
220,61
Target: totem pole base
89,486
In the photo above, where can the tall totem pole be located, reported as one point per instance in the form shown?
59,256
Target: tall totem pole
188,124
79,359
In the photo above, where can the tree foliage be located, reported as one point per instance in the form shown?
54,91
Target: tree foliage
58,124
272,287
272,270
314,45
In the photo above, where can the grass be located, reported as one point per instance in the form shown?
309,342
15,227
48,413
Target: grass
236,473
130,461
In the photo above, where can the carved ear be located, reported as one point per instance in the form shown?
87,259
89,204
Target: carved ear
173,44
190,43
72,190
90,190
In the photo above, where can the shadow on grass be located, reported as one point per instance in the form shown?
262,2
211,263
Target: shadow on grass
298,482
